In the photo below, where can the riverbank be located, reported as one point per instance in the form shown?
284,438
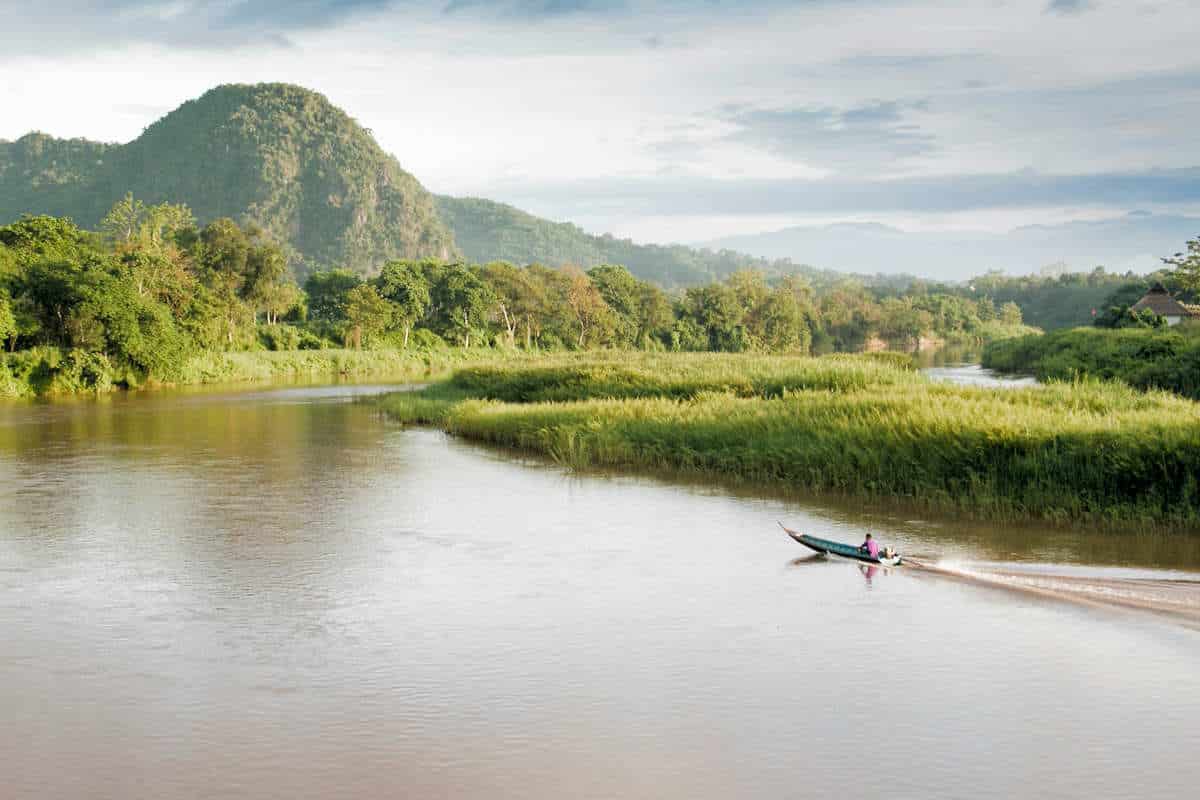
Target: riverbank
1082,453
49,371
1145,358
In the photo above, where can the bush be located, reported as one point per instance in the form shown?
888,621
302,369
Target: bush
279,337
1146,358
50,371
9,385
310,341
425,339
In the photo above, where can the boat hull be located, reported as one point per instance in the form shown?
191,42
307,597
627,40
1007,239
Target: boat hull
826,546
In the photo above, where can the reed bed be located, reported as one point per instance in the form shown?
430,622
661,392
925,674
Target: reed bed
268,365
1085,452
679,376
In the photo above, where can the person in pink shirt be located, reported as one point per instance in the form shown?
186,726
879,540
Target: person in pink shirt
870,547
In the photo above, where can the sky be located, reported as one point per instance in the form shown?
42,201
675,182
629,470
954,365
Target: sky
683,120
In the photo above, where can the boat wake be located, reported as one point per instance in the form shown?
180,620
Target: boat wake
1160,591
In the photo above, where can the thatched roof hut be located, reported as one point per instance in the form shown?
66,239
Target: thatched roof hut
1159,300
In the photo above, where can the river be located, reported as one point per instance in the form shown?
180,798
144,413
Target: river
277,593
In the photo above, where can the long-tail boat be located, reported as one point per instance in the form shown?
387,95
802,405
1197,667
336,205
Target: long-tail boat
887,556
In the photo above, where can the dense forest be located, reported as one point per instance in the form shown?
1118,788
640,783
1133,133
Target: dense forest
1064,300
486,230
151,285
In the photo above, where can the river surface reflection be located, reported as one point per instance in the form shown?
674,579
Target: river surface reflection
279,594
967,374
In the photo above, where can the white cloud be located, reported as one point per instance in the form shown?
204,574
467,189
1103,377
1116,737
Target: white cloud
536,107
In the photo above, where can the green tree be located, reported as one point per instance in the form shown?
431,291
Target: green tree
463,302
849,316
164,276
403,284
41,238
517,297
1125,317
123,222
225,248
593,318
268,284
548,319
622,293
717,310
655,316
327,293
781,322
902,322
225,300
1187,267
8,321
367,314
1010,313
164,225
687,335
750,286
280,298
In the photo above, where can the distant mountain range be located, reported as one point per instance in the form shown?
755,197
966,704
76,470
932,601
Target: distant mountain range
286,159
486,230
1134,242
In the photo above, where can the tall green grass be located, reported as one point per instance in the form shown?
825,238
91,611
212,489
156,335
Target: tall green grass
1085,452
264,365
1145,358
678,375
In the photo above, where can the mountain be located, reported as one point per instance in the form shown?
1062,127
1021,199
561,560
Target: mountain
276,155
486,230
41,174
1134,242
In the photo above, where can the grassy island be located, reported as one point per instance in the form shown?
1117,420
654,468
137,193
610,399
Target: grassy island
1145,358
1083,452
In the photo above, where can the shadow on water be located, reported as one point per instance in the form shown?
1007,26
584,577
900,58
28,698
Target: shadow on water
803,561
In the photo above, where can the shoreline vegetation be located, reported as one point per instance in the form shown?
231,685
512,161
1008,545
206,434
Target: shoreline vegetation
51,372
153,298
1144,358
1079,453
1147,338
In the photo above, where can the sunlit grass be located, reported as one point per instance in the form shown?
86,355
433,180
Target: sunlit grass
1081,452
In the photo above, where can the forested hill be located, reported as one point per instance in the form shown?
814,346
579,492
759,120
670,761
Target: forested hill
37,162
279,156
486,231
289,162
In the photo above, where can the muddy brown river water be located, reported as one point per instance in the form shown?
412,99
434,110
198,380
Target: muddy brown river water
276,593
